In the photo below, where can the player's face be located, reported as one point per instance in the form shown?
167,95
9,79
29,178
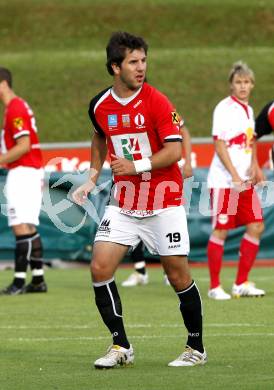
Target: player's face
132,71
241,87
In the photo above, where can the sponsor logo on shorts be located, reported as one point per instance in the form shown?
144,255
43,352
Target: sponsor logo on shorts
104,226
223,219
174,246
137,213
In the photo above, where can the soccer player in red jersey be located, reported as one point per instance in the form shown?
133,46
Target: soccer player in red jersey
233,198
264,123
21,155
140,128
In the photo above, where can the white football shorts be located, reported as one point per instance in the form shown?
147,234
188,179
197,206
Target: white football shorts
23,191
164,233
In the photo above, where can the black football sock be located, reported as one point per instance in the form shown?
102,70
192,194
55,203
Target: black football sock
36,259
191,309
138,257
22,253
109,305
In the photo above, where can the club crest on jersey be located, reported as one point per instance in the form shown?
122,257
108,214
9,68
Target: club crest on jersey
18,123
112,121
126,120
175,118
139,121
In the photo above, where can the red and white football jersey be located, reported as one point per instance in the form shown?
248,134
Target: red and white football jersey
233,122
136,128
19,121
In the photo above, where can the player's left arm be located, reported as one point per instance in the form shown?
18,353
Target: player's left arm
256,173
21,147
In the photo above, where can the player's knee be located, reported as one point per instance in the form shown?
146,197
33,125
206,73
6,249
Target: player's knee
99,271
255,229
179,281
221,234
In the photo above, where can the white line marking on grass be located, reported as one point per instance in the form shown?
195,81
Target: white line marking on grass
134,326
143,337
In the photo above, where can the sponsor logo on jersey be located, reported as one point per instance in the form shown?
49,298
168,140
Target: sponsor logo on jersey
126,120
131,148
112,120
18,123
176,119
137,104
139,121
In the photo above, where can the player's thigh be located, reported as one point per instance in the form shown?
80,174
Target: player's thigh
106,257
224,206
166,233
249,208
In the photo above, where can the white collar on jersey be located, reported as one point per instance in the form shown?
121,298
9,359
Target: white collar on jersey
124,101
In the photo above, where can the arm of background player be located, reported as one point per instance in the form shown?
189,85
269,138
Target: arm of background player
187,169
222,153
256,173
22,147
98,156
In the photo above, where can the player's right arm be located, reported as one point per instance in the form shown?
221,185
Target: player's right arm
221,128
98,156
222,152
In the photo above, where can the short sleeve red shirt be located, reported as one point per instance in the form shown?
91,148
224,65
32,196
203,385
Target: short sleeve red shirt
19,121
137,130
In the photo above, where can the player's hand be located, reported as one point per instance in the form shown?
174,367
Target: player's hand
256,175
187,170
121,166
239,184
80,195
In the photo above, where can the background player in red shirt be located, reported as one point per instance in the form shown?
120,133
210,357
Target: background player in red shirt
22,156
140,129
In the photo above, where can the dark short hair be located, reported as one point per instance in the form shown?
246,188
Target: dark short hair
118,44
5,75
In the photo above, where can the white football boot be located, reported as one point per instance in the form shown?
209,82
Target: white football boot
246,289
219,294
190,357
116,356
135,279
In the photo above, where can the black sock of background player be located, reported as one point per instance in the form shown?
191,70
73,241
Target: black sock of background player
36,260
22,252
139,260
109,305
191,309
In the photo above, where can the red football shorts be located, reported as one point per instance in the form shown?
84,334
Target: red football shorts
231,208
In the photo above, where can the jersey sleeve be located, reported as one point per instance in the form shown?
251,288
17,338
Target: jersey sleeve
97,128
19,121
167,120
264,123
221,122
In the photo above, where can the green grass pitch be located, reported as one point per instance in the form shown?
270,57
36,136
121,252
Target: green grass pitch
50,341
